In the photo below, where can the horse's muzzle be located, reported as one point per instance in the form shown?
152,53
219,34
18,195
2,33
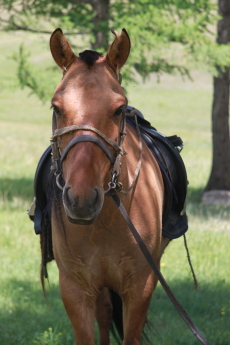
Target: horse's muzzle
82,210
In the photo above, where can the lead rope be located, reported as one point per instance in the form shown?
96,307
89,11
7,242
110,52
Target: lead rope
156,270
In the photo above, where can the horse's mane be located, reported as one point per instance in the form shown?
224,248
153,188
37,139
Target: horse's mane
90,56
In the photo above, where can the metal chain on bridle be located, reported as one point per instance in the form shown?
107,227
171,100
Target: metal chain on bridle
114,185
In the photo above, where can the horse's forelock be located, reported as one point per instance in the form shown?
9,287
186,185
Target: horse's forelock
90,56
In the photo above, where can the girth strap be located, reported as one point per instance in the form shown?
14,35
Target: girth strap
87,138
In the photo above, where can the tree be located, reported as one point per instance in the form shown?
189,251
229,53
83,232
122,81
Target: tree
167,36
220,173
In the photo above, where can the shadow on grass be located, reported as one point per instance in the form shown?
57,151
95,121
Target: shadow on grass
196,208
194,194
207,307
21,188
25,314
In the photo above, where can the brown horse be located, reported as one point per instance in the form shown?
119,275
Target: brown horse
97,257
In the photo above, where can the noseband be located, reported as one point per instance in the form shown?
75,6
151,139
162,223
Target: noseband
100,140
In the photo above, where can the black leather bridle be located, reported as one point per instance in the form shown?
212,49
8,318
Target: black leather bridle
102,141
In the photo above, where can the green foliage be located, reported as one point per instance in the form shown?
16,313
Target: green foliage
25,74
170,36
75,17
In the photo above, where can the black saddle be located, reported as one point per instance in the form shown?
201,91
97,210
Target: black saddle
165,150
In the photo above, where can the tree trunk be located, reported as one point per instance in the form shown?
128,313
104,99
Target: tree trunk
101,23
220,173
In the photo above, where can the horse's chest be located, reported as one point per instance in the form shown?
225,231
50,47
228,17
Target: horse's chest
94,260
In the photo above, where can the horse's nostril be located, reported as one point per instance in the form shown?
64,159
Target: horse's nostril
67,196
95,197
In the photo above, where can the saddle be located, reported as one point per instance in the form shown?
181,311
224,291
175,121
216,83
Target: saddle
165,150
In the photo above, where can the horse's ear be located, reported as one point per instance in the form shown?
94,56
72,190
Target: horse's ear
119,51
61,50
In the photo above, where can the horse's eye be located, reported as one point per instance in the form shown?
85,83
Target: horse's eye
56,110
118,111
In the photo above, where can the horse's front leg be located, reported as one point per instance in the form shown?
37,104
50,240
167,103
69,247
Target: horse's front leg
104,315
135,307
80,309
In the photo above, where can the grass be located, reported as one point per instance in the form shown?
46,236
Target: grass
173,107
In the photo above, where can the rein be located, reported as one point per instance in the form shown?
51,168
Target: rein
156,270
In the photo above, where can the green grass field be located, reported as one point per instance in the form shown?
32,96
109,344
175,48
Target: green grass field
174,107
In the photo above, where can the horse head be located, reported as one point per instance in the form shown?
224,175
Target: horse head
87,110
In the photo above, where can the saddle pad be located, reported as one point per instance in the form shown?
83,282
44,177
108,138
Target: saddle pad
41,178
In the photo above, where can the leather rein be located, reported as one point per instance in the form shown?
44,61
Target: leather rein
57,159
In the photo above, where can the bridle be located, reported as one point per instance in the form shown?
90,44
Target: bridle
100,140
